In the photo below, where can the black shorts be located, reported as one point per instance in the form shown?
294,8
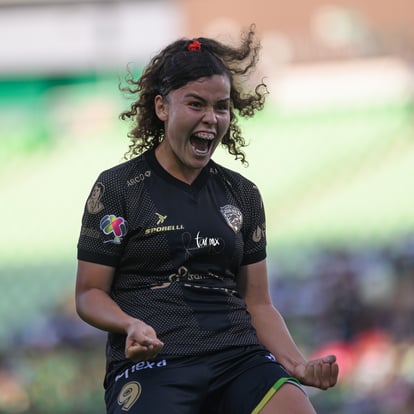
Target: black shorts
235,381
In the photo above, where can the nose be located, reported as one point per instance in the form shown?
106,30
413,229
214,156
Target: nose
210,116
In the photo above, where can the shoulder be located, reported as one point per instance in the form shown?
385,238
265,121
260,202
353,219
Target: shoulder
126,173
234,178
124,168
117,181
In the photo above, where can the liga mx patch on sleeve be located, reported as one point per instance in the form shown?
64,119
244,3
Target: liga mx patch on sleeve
113,225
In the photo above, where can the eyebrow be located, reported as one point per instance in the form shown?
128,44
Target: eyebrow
196,96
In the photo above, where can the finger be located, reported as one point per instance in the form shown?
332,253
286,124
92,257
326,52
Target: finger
309,377
153,350
317,375
326,376
147,354
334,374
330,375
152,342
135,352
149,349
140,353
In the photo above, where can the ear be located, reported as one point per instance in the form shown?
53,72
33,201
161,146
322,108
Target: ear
161,108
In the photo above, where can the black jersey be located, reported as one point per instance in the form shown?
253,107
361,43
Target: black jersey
177,250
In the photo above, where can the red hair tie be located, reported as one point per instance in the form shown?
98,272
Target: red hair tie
195,45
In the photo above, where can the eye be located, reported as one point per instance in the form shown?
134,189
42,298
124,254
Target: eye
223,106
195,104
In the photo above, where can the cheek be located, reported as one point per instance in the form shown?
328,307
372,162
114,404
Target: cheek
224,124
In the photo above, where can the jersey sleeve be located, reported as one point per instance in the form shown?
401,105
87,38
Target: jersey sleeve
254,226
104,225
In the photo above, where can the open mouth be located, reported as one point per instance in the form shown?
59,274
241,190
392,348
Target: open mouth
201,142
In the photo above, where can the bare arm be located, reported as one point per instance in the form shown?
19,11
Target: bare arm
274,334
96,307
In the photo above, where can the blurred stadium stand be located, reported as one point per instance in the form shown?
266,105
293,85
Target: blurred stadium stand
337,135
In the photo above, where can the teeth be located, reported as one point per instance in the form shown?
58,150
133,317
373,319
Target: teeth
200,151
204,135
201,142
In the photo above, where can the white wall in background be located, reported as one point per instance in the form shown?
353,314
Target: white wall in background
69,37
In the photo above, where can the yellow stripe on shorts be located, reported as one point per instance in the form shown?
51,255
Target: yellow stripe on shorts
272,392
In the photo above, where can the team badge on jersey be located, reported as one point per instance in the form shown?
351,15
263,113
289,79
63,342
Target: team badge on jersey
117,226
233,216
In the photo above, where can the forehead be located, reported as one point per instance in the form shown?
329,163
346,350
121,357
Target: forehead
217,85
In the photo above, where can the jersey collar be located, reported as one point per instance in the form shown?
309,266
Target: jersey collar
165,175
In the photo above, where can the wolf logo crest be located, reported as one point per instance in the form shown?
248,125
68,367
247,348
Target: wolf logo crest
233,216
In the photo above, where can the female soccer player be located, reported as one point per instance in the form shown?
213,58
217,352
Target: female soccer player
173,262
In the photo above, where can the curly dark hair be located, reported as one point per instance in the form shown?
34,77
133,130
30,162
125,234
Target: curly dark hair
173,68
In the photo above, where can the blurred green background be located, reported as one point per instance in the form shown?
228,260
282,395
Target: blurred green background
336,177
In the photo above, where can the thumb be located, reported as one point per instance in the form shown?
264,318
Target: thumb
330,359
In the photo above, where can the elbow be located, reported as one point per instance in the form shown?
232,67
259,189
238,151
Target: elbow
78,308
80,305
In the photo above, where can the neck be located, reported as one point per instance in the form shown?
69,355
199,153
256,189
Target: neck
175,167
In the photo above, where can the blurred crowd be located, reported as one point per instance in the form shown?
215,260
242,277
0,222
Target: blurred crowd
356,303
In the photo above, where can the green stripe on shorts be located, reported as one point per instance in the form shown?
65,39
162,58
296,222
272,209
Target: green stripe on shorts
276,386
